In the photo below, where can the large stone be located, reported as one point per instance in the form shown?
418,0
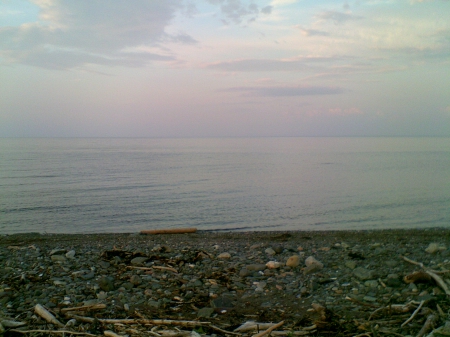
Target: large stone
434,248
273,264
293,261
224,256
106,283
312,265
270,251
205,312
139,261
363,273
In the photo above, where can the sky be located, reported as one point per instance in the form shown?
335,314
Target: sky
224,68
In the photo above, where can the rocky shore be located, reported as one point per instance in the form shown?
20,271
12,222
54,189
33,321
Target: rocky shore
343,283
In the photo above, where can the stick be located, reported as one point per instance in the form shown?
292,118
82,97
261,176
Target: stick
439,281
268,331
53,332
413,314
154,267
248,326
140,321
170,231
110,333
41,311
429,323
85,308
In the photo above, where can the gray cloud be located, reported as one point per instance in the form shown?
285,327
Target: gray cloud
297,64
283,91
74,33
338,17
237,10
312,32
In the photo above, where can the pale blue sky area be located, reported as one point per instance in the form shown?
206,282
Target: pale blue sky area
225,68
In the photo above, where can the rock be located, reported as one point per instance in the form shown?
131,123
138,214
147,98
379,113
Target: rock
106,283
371,283
245,272
312,265
58,258
139,261
135,280
255,267
70,254
363,273
278,248
205,312
434,248
273,264
350,264
102,295
224,256
57,251
222,302
270,251
293,261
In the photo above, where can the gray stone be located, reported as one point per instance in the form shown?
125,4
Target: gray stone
70,254
136,280
139,261
278,249
58,258
205,312
371,283
106,283
270,251
363,273
256,267
312,265
350,264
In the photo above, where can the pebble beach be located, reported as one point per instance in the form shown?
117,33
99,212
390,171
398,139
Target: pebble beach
333,283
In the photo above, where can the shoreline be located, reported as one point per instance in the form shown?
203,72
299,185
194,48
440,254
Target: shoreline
228,278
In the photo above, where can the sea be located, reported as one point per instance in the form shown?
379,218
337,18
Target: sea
125,185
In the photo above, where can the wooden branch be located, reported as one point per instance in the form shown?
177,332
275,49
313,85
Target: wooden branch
85,308
12,324
41,311
154,267
109,333
55,332
413,314
140,321
170,231
251,325
429,323
439,281
269,330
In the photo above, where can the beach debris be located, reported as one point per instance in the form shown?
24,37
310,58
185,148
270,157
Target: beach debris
45,314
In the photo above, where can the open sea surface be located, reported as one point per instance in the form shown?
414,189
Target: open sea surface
95,185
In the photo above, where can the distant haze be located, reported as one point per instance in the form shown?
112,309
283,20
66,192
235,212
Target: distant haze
224,68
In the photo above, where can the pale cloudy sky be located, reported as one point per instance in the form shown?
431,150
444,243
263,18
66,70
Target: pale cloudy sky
202,68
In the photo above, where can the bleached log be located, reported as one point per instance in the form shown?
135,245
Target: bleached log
41,311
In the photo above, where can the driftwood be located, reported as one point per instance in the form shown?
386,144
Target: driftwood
269,330
139,321
154,267
426,275
41,311
170,231
251,325
12,324
55,332
97,306
413,314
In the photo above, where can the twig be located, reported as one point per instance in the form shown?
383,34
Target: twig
354,300
140,321
429,323
269,330
56,332
154,267
413,314
85,308
41,311
412,261
223,331
439,281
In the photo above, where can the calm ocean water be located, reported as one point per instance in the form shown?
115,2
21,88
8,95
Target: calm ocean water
127,185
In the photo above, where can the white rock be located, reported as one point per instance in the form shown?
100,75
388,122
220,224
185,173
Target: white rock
270,251
70,254
273,264
224,256
434,248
